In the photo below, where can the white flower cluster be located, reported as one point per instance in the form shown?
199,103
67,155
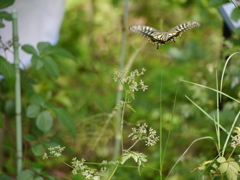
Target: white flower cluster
54,151
87,172
152,138
141,133
131,79
236,138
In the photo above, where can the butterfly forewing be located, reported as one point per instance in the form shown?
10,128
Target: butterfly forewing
145,31
184,26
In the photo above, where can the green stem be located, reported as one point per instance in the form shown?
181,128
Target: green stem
17,93
113,172
232,153
134,144
119,93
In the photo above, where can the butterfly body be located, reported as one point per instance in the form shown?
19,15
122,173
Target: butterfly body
159,37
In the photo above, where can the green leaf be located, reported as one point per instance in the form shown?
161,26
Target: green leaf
66,120
43,47
29,49
223,167
232,171
38,178
231,168
130,107
1,120
235,15
5,15
4,177
51,66
221,159
30,137
216,3
235,165
37,62
6,3
26,175
33,110
2,25
37,149
237,32
37,99
48,177
9,107
36,167
61,52
125,157
6,69
44,121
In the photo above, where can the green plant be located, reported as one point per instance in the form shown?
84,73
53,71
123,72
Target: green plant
139,133
44,112
223,165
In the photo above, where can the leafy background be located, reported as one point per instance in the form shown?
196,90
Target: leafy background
85,90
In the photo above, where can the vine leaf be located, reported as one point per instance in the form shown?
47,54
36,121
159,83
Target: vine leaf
230,167
139,158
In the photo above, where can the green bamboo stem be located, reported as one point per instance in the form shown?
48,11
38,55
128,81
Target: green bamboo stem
17,93
119,92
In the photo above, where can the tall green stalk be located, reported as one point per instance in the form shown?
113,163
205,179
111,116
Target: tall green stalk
118,127
17,93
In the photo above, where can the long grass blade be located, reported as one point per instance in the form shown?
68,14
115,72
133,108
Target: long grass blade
233,125
196,140
224,69
212,90
208,115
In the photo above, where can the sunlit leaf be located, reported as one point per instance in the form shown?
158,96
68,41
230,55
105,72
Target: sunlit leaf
223,167
221,159
232,171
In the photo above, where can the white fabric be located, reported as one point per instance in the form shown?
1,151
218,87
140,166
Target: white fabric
38,21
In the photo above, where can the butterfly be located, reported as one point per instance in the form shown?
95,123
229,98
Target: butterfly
159,37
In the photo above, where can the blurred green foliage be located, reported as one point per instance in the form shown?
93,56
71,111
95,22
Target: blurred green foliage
84,88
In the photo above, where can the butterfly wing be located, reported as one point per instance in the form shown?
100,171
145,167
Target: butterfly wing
145,31
179,29
149,32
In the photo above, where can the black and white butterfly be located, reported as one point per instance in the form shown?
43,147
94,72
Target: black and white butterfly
159,37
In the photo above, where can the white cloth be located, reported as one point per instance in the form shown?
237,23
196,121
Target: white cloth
38,21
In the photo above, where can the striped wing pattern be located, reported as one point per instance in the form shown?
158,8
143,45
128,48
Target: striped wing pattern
158,37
